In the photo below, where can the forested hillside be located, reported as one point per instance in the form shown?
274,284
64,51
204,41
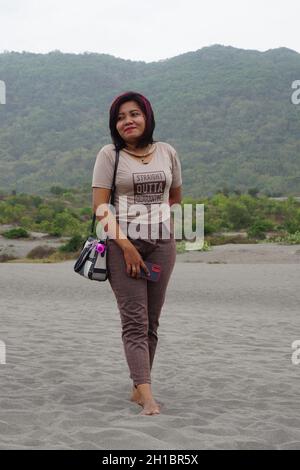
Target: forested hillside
227,111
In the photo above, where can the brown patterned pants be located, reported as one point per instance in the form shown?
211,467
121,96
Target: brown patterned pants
140,301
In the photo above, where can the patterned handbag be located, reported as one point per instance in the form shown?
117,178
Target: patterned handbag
92,261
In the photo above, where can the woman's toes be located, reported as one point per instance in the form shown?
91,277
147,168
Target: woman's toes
151,408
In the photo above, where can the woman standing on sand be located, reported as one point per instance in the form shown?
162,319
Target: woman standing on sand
148,175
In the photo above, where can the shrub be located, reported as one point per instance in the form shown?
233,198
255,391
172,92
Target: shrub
74,244
16,233
58,190
237,214
292,225
4,258
44,214
55,232
258,229
287,239
180,247
209,228
253,192
26,222
86,211
66,224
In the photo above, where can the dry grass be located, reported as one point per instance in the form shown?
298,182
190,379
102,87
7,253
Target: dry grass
41,252
223,239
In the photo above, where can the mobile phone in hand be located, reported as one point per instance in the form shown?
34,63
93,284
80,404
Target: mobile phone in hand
154,270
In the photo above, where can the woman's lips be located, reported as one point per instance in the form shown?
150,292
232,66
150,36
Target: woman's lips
130,129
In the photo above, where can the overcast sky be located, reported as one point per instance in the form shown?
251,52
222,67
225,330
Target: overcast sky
147,30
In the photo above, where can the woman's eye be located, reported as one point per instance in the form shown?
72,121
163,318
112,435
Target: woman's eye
135,113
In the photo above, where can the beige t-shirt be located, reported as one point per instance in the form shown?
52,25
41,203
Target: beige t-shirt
138,183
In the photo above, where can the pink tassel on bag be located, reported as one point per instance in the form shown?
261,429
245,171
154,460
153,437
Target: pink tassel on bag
100,248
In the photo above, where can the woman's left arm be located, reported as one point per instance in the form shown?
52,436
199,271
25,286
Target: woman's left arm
175,195
175,192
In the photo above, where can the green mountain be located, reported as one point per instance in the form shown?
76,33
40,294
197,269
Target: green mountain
227,111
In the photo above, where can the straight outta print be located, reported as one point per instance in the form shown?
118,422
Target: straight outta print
149,187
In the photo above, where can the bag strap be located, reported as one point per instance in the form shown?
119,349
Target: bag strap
113,189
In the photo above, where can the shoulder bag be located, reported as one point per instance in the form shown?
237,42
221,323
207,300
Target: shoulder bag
92,261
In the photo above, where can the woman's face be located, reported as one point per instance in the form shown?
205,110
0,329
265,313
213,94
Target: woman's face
131,122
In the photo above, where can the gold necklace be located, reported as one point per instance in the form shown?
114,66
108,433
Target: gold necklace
141,157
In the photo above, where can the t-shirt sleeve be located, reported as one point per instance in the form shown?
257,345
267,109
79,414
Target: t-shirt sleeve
176,170
103,169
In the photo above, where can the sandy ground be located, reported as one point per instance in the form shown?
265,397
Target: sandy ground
223,366
273,253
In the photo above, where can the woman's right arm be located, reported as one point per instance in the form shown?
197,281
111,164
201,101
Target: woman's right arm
132,257
101,196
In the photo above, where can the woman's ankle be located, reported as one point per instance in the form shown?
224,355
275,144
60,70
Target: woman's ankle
145,391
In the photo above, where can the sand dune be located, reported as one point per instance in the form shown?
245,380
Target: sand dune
223,367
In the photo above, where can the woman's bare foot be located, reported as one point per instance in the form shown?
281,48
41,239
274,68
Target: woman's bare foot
136,396
150,407
142,395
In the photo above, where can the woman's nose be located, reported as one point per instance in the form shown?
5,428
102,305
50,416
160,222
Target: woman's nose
128,119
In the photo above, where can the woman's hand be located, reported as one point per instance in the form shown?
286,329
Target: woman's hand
134,261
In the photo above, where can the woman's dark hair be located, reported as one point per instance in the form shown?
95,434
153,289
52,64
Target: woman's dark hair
144,104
